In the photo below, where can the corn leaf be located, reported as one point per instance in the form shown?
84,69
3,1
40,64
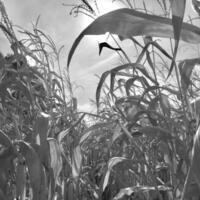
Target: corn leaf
114,71
56,157
76,162
178,10
112,162
34,167
41,128
128,22
165,105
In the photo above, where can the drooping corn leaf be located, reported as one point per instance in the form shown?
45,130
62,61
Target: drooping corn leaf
128,22
178,10
34,167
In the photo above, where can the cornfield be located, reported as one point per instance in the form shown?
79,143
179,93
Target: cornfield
143,140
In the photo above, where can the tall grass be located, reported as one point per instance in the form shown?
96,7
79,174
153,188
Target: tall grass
140,142
148,134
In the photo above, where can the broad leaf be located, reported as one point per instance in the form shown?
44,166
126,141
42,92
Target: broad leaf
56,157
128,22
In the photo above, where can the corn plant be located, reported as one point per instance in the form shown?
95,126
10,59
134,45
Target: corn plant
39,120
142,146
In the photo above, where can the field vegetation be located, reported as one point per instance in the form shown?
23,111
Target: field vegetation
143,141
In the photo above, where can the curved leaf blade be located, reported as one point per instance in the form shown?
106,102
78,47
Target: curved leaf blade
128,22
178,10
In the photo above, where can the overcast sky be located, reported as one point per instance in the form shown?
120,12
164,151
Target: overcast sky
63,28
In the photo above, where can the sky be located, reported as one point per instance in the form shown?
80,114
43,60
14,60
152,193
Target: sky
64,28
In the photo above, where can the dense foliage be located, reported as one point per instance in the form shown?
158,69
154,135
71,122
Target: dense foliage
140,142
